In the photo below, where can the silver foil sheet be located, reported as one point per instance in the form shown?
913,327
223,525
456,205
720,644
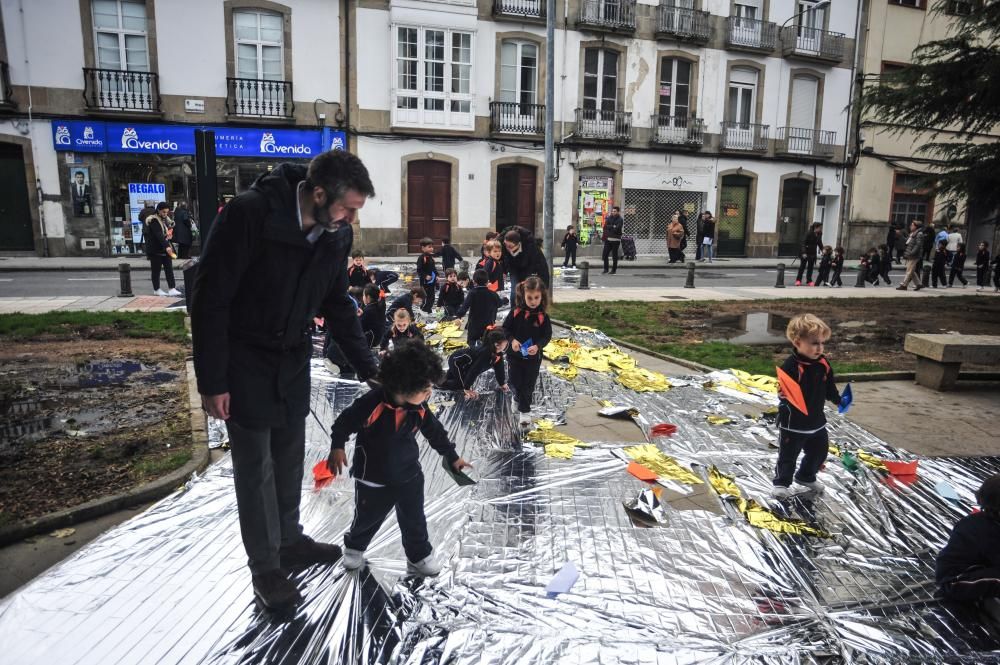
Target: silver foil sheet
702,586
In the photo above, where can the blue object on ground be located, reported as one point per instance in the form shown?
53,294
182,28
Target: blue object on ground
525,345
846,399
946,491
563,580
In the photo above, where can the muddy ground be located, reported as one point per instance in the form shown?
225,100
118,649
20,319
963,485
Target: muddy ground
864,330
87,418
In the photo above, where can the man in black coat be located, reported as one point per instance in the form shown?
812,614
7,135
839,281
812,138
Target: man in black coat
275,257
523,258
810,246
613,226
183,236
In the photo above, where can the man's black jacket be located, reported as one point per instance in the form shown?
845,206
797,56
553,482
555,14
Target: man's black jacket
258,287
386,451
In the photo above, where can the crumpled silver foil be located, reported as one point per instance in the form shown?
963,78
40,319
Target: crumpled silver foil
171,586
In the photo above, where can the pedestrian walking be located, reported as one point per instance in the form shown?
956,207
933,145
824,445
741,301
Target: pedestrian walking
183,230
275,257
825,265
912,253
929,234
675,235
982,266
939,265
569,244
838,267
890,239
159,250
954,239
612,237
529,329
706,246
958,266
810,247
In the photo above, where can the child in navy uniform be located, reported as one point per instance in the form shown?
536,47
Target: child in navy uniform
825,263
382,279
837,264
799,432
982,266
527,322
958,266
413,298
569,243
386,466
465,365
492,263
357,274
884,263
427,272
372,316
481,305
450,256
968,568
451,295
402,329
940,263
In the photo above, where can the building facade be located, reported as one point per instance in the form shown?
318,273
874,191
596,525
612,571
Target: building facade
887,183
102,98
738,107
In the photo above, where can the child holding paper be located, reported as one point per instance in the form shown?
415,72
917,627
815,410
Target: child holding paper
807,382
529,329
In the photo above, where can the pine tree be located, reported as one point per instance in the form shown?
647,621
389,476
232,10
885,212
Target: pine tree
952,84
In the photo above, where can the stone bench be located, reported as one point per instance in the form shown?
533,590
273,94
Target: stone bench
939,357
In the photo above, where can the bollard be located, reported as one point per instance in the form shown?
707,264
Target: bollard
860,284
780,282
689,284
125,276
925,276
584,275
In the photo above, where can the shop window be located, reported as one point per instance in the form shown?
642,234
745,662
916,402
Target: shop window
120,35
433,85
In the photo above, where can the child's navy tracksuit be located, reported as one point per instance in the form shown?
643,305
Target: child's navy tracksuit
800,433
523,324
968,568
427,276
451,298
465,366
393,335
481,305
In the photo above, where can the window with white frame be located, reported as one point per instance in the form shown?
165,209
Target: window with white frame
675,88
259,42
742,106
519,72
433,83
120,35
600,79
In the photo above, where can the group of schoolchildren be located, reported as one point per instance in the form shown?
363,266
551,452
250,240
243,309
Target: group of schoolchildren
386,467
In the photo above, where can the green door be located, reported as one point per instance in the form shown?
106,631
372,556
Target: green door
731,221
15,213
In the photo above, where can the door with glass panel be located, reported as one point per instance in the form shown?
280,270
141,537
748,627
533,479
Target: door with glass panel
741,108
802,115
600,91
260,70
678,16
519,86
675,95
810,24
122,54
747,24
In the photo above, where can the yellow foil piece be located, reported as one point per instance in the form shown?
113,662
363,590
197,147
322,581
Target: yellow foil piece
718,420
584,329
565,371
559,450
871,461
559,348
643,380
453,344
546,434
756,514
662,465
723,484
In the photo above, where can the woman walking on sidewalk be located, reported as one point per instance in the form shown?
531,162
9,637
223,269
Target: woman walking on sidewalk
913,253
159,251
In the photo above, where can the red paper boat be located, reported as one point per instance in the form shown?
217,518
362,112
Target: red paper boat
792,391
322,474
663,429
901,468
641,472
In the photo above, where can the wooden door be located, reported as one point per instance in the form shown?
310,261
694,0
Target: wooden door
516,186
526,197
428,202
15,211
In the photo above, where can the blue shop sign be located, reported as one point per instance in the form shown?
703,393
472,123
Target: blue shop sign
249,142
79,136
150,139
334,140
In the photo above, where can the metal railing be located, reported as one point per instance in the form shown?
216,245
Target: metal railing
611,14
683,23
259,98
517,118
120,90
959,7
750,33
679,130
606,125
529,8
748,136
6,92
801,141
812,42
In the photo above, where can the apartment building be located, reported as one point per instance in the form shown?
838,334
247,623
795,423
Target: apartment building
734,106
101,100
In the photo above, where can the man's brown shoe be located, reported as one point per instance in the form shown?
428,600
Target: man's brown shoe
275,591
306,552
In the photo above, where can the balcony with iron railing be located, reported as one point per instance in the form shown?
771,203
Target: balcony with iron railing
744,136
802,142
615,126
812,44
517,118
679,130
121,90
745,34
614,15
683,24
6,91
519,8
259,98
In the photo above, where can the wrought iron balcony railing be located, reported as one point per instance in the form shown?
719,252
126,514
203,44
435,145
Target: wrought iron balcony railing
604,125
259,98
121,90
679,130
806,142
812,43
524,8
608,14
517,118
684,24
6,92
747,136
747,33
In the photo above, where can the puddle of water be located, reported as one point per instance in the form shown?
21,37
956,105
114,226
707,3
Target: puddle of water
116,372
752,328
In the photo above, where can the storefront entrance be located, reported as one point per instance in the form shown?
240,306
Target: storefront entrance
428,202
794,217
15,212
647,214
516,186
734,204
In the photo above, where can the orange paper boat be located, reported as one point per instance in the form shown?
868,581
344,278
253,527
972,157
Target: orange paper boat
791,391
322,474
641,472
901,468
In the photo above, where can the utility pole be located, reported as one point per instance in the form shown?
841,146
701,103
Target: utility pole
548,205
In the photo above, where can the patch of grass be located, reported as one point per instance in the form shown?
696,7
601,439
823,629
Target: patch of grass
159,466
617,318
167,326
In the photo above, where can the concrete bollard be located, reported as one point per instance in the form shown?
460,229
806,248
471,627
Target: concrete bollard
860,284
584,275
125,277
780,281
925,275
689,284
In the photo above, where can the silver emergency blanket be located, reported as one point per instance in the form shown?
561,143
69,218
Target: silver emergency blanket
701,586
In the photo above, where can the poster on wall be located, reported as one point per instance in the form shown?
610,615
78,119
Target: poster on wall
142,195
80,193
596,199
